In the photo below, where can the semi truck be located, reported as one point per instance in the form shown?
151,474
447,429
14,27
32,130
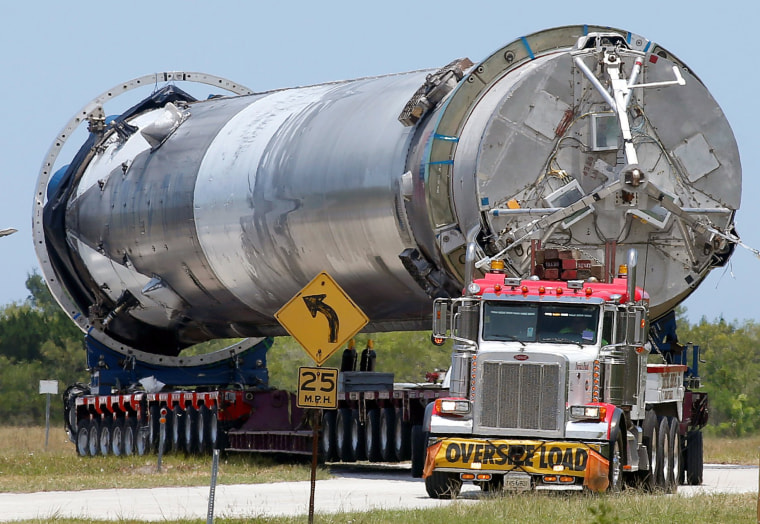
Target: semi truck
189,217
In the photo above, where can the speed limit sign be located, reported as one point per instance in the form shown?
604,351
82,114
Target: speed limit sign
317,387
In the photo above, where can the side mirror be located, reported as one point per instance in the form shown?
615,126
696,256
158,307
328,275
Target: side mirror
441,308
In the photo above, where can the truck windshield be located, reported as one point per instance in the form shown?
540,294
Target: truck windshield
540,322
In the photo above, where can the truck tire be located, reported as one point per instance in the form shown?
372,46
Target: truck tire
441,485
357,436
93,438
117,438
142,441
646,478
191,430
372,436
128,432
387,434
83,435
154,427
327,441
210,427
343,430
675,456
402,437
694,459
104,437
617,458
419,451
179,419
663,464
201,444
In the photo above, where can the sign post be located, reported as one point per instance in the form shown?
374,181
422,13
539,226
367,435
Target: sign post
47,388
321,317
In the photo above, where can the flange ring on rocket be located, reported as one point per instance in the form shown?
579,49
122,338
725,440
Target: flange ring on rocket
185,220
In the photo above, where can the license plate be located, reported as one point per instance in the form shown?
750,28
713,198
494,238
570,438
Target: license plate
517,482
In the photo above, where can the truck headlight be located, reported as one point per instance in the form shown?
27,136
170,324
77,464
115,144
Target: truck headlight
588,412
451,406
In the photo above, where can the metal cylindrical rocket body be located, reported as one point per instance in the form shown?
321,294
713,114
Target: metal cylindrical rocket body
190,220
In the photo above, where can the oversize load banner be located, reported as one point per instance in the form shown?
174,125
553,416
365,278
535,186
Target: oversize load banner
531,456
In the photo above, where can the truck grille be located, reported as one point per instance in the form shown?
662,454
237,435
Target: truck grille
520,396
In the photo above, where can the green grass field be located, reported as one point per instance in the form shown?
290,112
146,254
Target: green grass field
26,466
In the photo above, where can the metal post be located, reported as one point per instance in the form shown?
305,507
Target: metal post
161,438
314,450
47,419
212,489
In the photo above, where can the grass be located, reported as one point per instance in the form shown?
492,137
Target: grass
535,508
723,450
26,466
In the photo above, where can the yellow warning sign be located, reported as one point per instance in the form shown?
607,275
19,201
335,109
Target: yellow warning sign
321,317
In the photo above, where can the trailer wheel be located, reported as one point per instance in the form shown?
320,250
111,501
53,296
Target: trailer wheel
142,442
372,436
357,436
694,459
117,438
419,450
343,430
191,430
204,419
93,438
387,434
402,437
128,436
327,438
646,479
675,454
442,485
663,465
178,422
210,427
154,427
83,435
106,428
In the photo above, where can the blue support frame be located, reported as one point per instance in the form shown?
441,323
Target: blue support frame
110,369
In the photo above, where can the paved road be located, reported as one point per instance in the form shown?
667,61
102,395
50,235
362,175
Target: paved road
351,490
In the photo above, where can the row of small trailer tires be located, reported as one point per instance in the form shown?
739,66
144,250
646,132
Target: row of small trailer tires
384,437
188,430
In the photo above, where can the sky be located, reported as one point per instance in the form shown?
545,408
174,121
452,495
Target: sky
57,56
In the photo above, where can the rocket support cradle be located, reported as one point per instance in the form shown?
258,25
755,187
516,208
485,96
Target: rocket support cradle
183,220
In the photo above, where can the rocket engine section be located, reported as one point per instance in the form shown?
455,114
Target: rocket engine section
184,220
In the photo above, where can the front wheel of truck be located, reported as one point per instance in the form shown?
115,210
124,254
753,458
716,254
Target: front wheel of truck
443,485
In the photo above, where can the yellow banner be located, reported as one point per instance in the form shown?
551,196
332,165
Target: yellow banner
531,456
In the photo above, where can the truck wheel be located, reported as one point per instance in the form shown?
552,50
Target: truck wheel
442,485
663,454
191,430
327,440
694,459
675,456
117,438
142,442
419,450
106,428
128,437
357,436
93,439
83,435
616,462
154,427
210,427
204,416
646,479
387,434
343,427
372,436
402,437
178,422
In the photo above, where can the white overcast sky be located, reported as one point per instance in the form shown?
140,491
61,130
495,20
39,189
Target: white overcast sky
57,56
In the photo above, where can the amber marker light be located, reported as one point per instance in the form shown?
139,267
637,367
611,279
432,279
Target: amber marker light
589,291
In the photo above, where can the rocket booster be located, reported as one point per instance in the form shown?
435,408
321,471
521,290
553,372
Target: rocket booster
184,220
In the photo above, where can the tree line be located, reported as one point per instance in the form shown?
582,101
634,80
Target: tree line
39,342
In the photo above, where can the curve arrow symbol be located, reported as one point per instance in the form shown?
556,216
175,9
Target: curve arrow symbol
316,304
